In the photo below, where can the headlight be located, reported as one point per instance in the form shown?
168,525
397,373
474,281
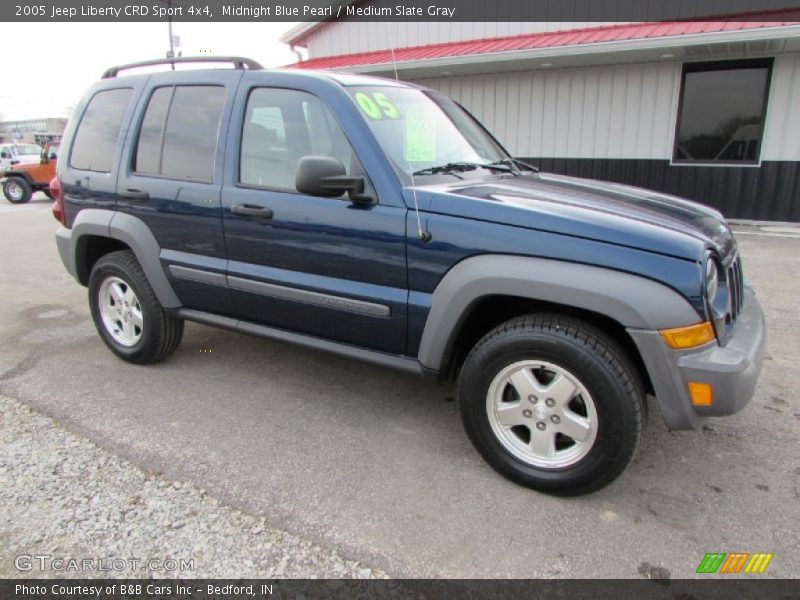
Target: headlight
712,280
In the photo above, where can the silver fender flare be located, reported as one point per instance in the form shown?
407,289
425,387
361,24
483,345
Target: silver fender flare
631,300
129,230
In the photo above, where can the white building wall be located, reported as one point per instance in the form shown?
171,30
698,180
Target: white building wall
782,134
624,111
619,111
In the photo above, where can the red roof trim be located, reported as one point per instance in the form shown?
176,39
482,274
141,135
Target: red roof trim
573,37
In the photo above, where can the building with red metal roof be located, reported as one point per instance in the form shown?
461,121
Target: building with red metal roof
706,109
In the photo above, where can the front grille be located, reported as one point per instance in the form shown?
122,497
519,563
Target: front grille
735,282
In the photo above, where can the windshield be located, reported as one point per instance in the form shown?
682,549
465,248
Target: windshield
28,149
421,131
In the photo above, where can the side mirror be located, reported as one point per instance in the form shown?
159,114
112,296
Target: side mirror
326,176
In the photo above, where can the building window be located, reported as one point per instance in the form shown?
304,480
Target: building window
721,112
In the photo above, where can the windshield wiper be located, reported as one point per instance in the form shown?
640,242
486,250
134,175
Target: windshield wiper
464,166
518,164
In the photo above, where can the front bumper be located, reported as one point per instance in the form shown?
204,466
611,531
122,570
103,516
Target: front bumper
731,370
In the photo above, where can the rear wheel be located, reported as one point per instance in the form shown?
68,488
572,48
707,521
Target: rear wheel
48,193
127,313
552,403
17,190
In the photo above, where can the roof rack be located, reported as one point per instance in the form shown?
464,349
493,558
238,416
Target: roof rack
239,62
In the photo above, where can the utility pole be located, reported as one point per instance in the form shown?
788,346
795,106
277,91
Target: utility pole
171,51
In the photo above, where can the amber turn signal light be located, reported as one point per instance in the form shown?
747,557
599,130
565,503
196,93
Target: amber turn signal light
689,336
701,393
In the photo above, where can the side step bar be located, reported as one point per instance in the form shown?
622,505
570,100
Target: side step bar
399,363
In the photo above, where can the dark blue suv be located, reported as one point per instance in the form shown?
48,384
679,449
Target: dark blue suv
380,220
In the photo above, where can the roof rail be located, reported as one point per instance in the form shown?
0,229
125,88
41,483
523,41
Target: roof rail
239,62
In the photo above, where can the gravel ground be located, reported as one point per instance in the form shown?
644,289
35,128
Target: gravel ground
65,497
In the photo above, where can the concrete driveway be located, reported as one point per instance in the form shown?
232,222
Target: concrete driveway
376,464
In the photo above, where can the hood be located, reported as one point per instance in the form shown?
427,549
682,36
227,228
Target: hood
25,165
27,159
608,212
23,162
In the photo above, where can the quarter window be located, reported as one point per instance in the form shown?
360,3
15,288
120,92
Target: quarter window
96,138
282,126
178,137
722,112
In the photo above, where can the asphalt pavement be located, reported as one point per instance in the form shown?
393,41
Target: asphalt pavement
375,464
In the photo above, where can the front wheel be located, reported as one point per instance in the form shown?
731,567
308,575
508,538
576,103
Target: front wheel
17,190
127,313
552,403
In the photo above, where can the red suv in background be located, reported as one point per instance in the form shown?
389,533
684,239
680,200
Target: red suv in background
23,179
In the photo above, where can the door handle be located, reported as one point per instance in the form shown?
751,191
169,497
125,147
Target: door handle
250,210
134,195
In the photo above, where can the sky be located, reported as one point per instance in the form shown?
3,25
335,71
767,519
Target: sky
48,66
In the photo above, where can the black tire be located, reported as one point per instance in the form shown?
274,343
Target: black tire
17,190
48,193
159,335
595,361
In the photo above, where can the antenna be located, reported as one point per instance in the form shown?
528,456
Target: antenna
423,235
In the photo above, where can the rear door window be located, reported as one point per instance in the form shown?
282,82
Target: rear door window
178,137
98,132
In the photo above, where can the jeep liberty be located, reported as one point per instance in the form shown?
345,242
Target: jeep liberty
380,221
